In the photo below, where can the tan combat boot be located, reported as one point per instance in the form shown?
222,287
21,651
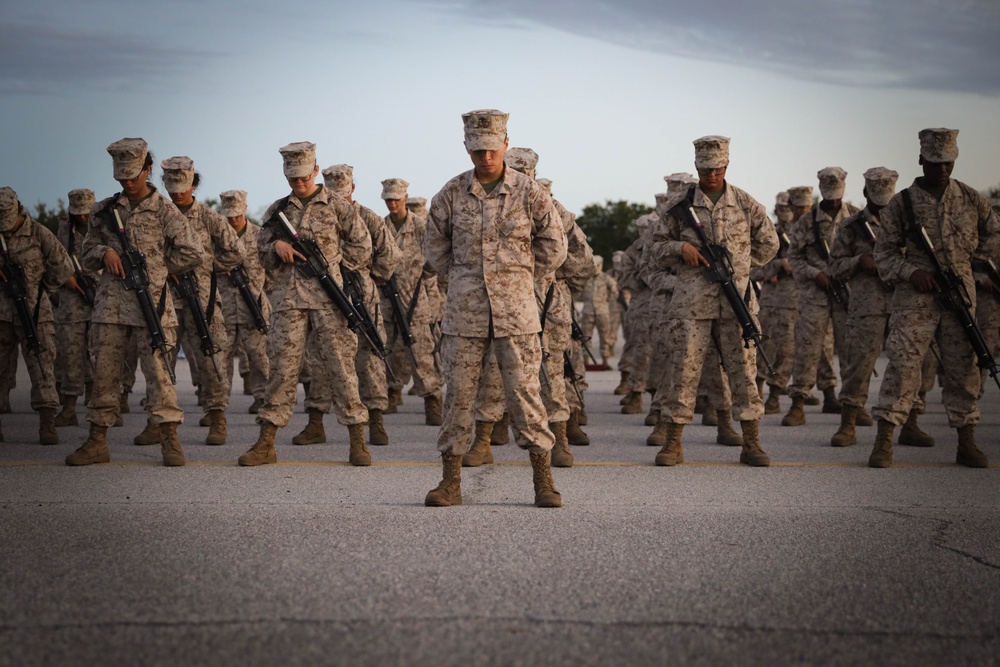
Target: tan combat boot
796,414
725,434
206,420
480,452
432,410
561,456
845,435
501,431
313,433
262,451
622,387
708,415
672,452
149,436
255,406
376,429
574,434
581,418
968,454
811,399
912,435
123,408
632,405
47,434
881,456
658,438
449,491
67,416
772,405
545,489
358,455
863,418
752,454
216,428
653,416
831,405
93,450
170,445
395,400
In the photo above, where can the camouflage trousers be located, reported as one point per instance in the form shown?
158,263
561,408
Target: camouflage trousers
633,327
465,362
490,399
73,369
130,365
690,341
108,345
8,362
331,367
988,319
642,350
714,382
865,337
373,386
601,319
812,330
778,327
213,389
41,366
911,333
253,342
575,384
426,376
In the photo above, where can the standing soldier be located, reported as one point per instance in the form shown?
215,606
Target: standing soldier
329,230
937,222
599,295
822,300
414,282
72,312
32,262
242,327
639,320
490,231
134,227
699,312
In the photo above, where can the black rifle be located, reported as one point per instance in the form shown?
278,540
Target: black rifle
86,282
239,279
356,293
720,270
867,233
953,295
390,290
570,373
16,287
186,288
315,266
577,334
137,280
541,334
841,293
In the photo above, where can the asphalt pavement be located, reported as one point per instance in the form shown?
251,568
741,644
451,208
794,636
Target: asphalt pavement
815,560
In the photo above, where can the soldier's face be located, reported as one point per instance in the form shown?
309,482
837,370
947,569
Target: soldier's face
135,187
238,222
397,207
185,198
303,186
712,180
488,164
937,173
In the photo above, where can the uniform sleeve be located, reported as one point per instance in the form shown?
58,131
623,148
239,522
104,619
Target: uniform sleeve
800,237
265,242
579,265
96,243
437,239
385,253
184,251
845,261
548,241
764,245
225,242
58,267
355,239
890,259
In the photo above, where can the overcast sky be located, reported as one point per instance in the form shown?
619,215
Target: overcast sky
610,94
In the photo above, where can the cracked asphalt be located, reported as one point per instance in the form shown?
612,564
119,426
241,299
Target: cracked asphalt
816,560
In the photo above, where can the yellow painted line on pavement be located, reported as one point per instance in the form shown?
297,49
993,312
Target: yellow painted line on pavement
578,464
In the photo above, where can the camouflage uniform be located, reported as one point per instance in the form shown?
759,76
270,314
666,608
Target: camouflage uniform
778,302
638,322
72,322
599,294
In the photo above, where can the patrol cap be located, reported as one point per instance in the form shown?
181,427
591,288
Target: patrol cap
233,203
939,144
523,160
832,182
644,221
485,129
416,203
9,207
394,188
340,179
81,201
880,184
299,159
781,199
599,262
800,195
546,184
711,152
661,198
128,155
678,182
178,174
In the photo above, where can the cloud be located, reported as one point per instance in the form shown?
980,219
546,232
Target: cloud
943,45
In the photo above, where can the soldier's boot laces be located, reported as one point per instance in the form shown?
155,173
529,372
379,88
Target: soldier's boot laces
968,454
881,456
432,410
449,491
67,416
845,435
911,434
480,452
672,452
262,451
216,428
726,435
93,450
376,429
752,454
313,433
358,455
831,405
545,489
574,434
561,456
170,445
796,415
149,436
47,434
501,431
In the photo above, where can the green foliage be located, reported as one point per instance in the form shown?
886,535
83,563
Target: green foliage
993,193
50,216
611,226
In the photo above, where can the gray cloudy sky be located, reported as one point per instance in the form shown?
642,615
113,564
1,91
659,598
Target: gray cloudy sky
610,94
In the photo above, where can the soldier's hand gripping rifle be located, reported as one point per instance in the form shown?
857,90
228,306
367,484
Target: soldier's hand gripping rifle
315,266
720,270
16,287
86,282
841,293
137,280
869,235
355,292
954,296
239,279
186,288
